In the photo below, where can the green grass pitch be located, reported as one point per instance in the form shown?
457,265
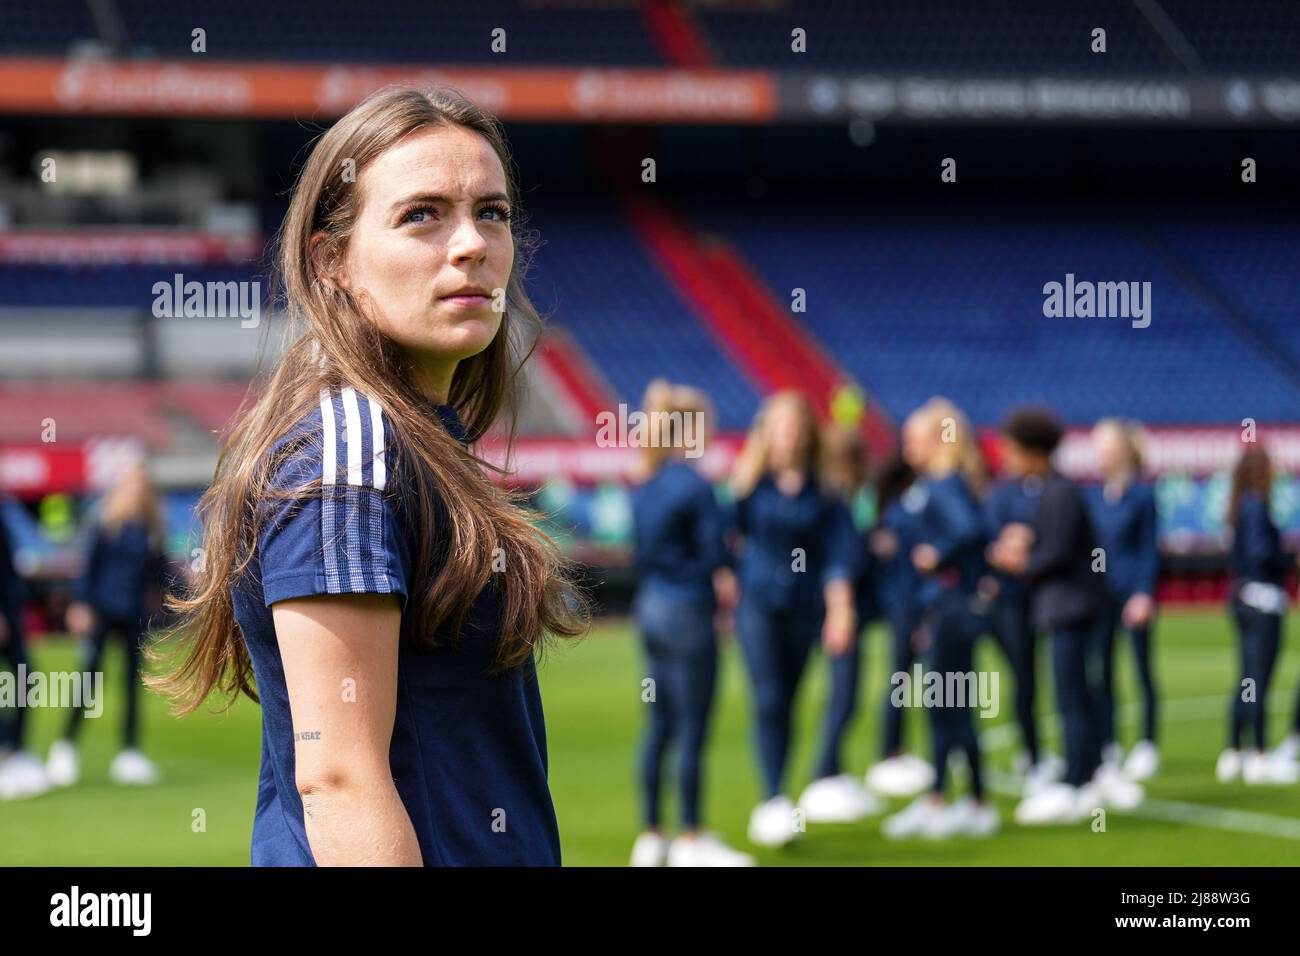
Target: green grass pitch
594,712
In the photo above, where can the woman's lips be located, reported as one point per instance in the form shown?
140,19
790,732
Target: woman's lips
467,301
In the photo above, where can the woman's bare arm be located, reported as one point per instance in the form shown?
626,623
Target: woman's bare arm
340,668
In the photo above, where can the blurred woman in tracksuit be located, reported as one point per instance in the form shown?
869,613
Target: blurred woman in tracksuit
1013,501
938,443
1123,510
1056,554
679,552
797,562
119,590
834,796
21,773
1258,565
898,773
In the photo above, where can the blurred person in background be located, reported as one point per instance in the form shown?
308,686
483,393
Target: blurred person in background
797,564
835,796
1013,500
21,773
1257,565
1055,554
898,773
1123,510
119,591
949,557
680,554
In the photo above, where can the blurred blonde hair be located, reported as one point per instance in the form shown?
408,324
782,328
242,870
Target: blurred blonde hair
133,498
754,459
962,453
843,459
1131,433
663,398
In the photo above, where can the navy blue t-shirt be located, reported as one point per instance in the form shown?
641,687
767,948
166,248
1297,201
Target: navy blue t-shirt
468,753
947,518
1257,552
121,567
678,533
1126,529
1012,501
776,525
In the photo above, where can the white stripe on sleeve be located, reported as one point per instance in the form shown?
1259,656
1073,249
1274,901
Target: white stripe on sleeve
377,435
352,418
329,461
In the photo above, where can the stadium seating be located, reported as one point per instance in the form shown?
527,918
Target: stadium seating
407,32
598,282
1252,38
1253,270
915,300
939,35
936,36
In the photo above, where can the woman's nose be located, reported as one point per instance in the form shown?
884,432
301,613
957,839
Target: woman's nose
466,241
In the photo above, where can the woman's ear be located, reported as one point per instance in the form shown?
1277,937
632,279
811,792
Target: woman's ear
324,264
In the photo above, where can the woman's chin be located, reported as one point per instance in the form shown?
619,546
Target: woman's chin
469,336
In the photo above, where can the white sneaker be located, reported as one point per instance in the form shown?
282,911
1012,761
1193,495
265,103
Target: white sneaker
772,822
1289,749
923,817
900,776
968,818
1112,754
1042,775
1261,768
839,799
1143,761
1087,800
132,768
22,776
1055,803
1228,768
1021,764
62,764
919,771
1116,790
705,850
650,849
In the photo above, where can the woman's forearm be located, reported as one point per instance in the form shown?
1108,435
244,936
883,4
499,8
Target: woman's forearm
358,823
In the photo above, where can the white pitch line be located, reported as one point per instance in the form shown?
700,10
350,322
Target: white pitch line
1218,818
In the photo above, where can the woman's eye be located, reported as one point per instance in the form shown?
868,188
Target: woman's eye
424,214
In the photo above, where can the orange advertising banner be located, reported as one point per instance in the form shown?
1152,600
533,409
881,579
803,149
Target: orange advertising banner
183,88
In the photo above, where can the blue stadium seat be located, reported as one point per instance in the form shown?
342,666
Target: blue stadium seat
599,283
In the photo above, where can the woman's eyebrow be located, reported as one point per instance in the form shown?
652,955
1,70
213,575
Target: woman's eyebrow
437,198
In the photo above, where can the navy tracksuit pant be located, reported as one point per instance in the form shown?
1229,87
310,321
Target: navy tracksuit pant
682,659
1259,636
776,645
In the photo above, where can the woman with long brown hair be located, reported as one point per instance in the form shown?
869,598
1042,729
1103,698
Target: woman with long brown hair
1257,564
119,590
359,563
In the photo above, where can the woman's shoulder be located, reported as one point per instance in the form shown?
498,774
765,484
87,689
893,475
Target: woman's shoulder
343,438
